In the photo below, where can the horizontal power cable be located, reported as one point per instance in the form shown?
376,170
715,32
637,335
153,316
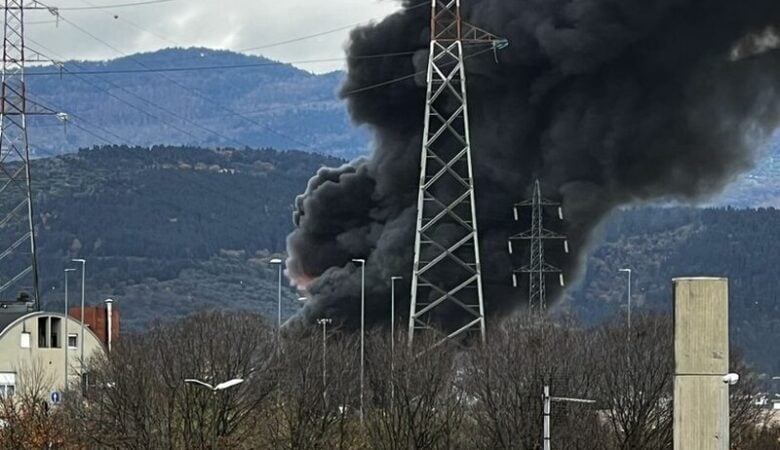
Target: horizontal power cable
117,5
214,67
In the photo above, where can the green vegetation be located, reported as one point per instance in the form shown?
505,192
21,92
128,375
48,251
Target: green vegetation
662,243
169,231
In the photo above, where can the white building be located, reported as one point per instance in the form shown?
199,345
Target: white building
37,349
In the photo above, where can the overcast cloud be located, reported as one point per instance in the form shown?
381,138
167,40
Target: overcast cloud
221,24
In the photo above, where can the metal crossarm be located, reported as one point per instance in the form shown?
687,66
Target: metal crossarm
446,295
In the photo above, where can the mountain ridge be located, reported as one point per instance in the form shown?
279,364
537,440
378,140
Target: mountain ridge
213,98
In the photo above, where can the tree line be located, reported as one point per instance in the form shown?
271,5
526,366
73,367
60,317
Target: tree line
300,394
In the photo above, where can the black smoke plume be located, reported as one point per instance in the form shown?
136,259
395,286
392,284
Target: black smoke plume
608,102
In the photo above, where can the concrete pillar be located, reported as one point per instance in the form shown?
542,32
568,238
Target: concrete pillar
701,354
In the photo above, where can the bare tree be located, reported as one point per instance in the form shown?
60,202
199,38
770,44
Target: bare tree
747,420
415,399
635,382
139,399
506,380
314,414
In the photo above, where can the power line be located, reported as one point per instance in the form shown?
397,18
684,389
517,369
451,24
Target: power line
216,67
193,91
406,77
118,5
157,106
153,116
133,24
121,139
299,39
206,98
270,45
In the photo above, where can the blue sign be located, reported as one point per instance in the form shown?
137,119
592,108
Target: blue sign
55,397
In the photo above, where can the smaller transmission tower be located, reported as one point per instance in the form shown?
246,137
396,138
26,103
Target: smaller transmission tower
538,268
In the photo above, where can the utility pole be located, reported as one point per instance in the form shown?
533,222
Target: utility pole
546,412
628,296
447,276
324,322
67,319
362,263
392,339
537,268
17,227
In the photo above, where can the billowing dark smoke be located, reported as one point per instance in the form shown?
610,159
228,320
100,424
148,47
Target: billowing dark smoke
608,102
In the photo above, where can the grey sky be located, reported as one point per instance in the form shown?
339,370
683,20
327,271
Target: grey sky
222,24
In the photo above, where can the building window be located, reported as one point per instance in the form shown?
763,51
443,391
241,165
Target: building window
7,384
43,324
73,340
54,332
25,341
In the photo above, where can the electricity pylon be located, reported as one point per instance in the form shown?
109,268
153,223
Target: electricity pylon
446,294
538,268
17,229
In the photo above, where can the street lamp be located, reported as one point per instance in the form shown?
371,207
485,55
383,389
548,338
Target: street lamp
730,379
214,389
392,338
278,262
392,311
628,271
324,322
362,263
83,283
66,325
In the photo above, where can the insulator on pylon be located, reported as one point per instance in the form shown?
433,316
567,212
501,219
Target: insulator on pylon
514,280
560,278
517,217
509,244
566,245
560,213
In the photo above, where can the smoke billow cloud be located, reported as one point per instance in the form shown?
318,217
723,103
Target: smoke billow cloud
607,102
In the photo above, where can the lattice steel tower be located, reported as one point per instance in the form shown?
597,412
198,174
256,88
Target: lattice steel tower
538,268
17,231
446,292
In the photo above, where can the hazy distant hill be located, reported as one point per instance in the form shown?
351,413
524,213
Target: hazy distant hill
154,98
191,97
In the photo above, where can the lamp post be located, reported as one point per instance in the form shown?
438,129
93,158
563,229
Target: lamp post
392,338
392,312
628,295
66,326
362,263
83,281
730,379
324,322
214,390
278,262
